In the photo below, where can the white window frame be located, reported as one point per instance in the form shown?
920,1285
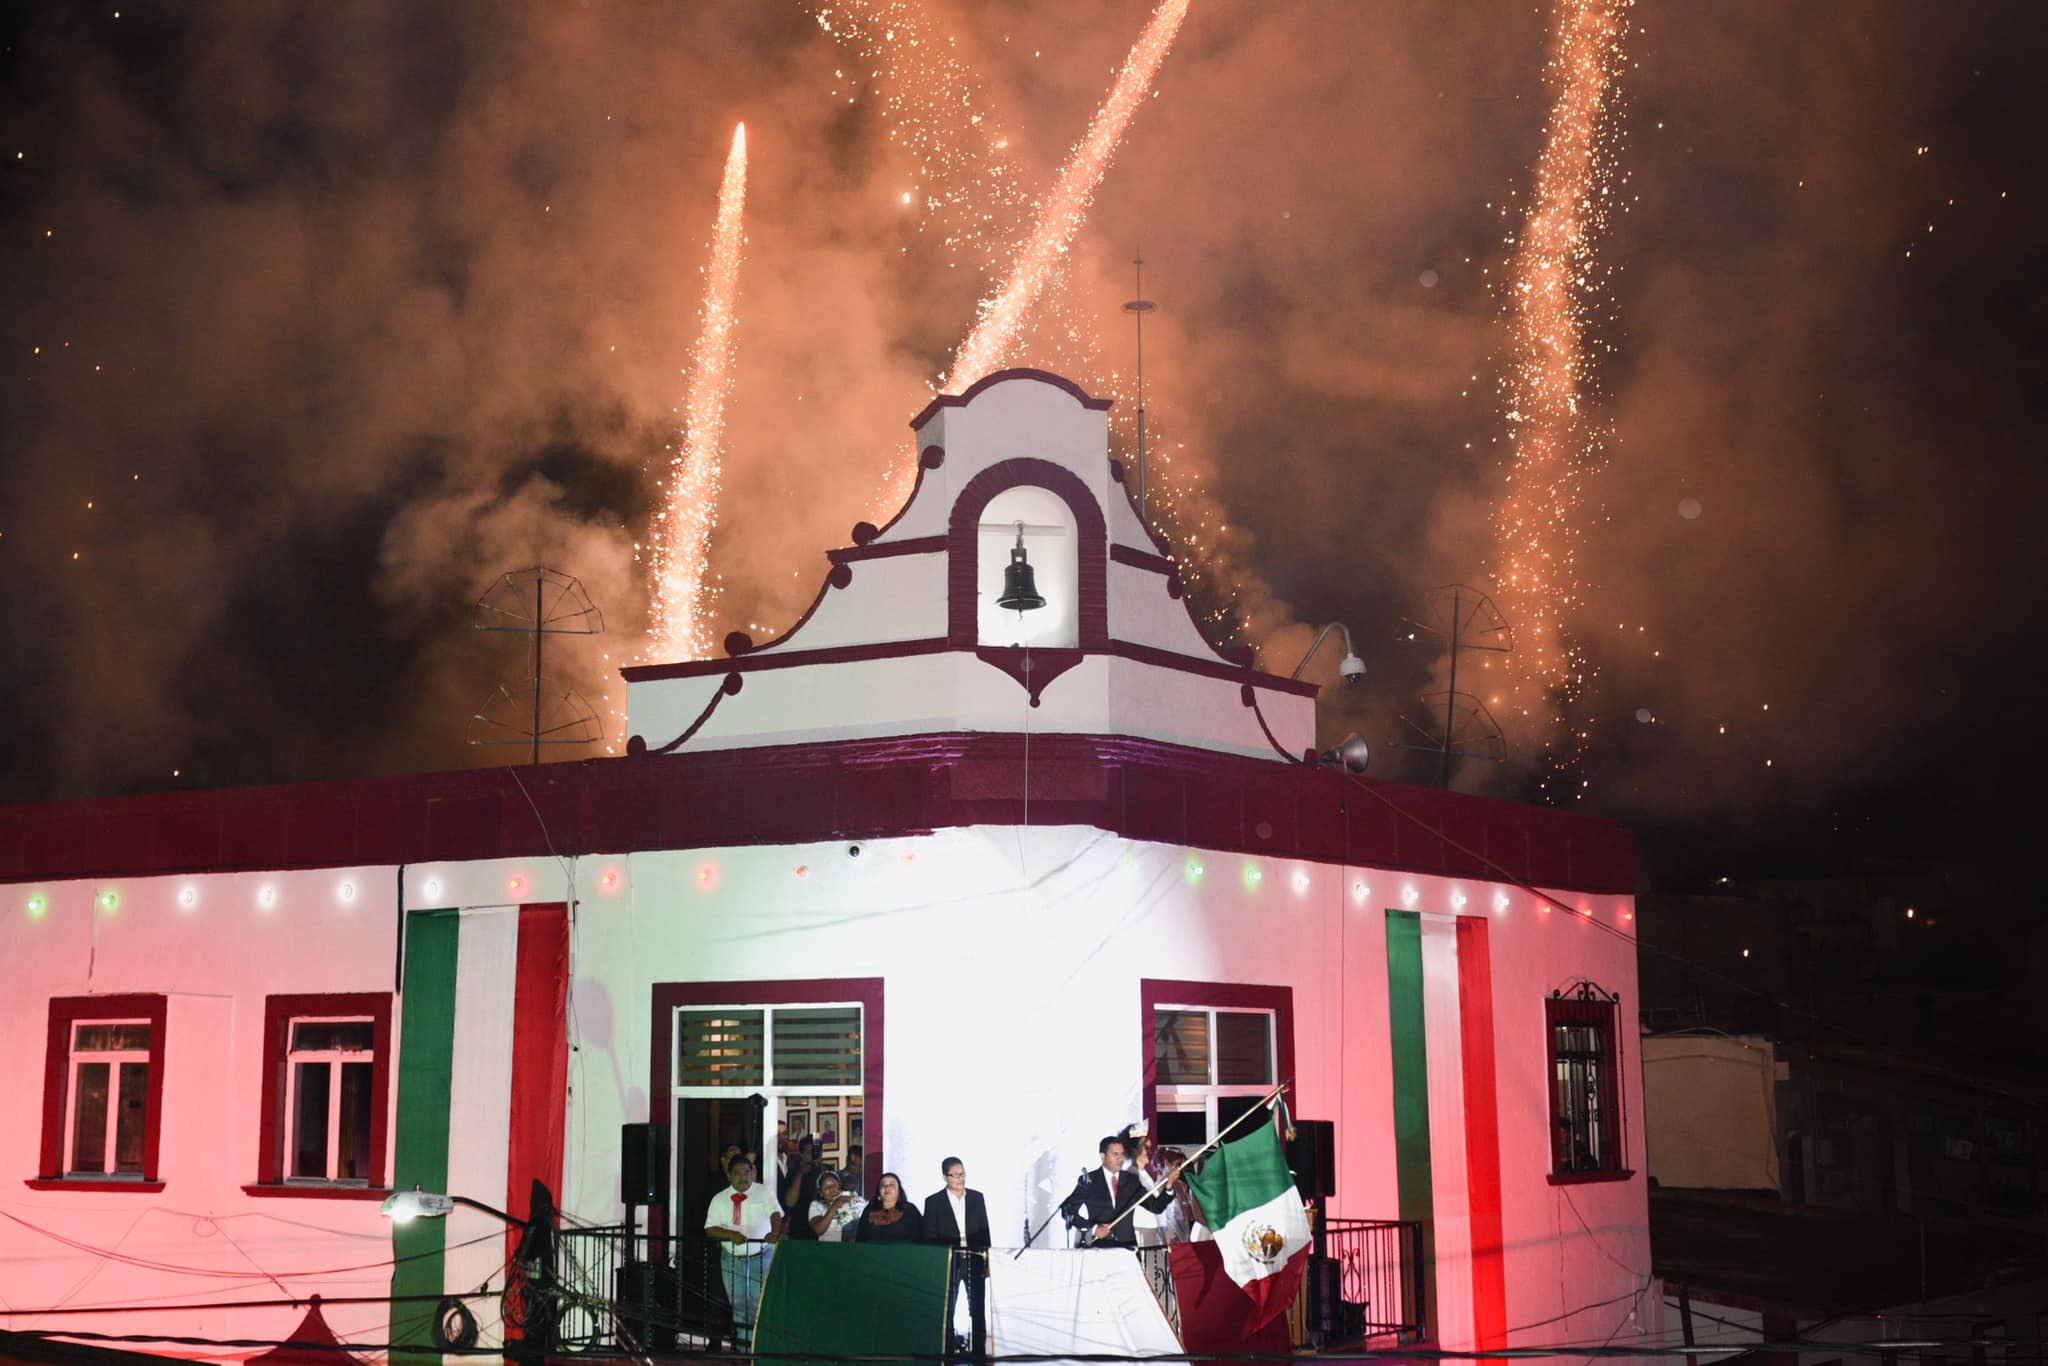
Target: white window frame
116,1059
1189,1098
769,1087
334,1057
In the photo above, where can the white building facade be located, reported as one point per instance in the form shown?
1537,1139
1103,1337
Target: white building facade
921,876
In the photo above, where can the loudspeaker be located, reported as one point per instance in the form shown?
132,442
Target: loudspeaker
647,1306
643,1164
1312,1152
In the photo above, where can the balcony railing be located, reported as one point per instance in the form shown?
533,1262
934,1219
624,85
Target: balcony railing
1367,1283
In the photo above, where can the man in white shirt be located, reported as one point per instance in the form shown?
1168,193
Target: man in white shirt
745,1221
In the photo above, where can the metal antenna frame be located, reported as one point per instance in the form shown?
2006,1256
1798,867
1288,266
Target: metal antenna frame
1455,643
1139,307
571,613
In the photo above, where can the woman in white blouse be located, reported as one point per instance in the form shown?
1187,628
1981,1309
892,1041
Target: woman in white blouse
834,1209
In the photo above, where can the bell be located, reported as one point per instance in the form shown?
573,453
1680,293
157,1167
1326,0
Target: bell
1020,588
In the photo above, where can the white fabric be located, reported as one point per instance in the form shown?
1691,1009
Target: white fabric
1050,1302
480,1095
836,1230
959,1203
1451,1200
755,1221
1243,1241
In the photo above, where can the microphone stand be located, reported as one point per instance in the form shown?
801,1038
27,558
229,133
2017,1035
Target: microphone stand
1056,1211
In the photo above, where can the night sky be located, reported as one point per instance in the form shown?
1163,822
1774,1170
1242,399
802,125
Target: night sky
320,317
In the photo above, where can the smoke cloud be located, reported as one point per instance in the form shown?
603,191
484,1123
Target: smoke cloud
346,310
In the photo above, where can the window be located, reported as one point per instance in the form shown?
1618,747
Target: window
1210,1066
327,1108
1585,1077
326,1094
806,1048
734,1059
103,1091
109,1098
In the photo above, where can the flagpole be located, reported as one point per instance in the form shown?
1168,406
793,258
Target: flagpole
1265,1105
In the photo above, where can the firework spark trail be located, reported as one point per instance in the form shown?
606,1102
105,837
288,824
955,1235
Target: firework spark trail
1000,321
682,541
1556,288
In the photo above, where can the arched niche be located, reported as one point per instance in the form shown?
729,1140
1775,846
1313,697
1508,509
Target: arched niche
1072,575
1051,539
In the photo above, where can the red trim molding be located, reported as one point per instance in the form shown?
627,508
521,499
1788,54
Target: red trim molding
668,997
1139,559
906,649
868,789
1154,992
306,1190
278,1014
963,538
967,395
105,1185
66,1011
882,550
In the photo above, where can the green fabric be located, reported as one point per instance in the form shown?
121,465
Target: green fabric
839,1299
1405,1034
1242,1174
426,1061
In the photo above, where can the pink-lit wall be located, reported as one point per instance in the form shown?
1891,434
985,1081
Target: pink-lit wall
215,945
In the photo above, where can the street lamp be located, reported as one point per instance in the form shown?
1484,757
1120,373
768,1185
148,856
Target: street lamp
529,1301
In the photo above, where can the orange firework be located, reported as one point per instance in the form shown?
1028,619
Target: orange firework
1000,320
1556,286
682,533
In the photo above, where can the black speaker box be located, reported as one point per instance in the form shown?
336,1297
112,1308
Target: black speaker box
647,1306
643,1164
1312,1153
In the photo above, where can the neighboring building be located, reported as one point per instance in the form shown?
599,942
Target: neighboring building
924,875
1807,1186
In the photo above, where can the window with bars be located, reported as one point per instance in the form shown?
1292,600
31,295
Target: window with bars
1210,1066
809,1047
108,1098
329,1069
1585,1076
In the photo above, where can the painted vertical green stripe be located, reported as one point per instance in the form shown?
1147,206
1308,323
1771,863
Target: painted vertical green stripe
1411,1064
426,1059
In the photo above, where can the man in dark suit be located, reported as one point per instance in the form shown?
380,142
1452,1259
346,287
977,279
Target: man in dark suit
957,1217
1104,1193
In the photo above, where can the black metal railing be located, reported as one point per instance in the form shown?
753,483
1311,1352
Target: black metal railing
1369,1281
621,1289
617,1289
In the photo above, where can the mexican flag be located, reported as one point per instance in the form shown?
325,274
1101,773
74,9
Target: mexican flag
1248,1196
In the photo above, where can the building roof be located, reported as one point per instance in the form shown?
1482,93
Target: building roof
854,789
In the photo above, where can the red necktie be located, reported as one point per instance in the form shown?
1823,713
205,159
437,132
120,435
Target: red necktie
738,1199
1113,1178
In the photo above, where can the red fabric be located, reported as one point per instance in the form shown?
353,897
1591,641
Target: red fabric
1482,1136
1216,1315
540,1059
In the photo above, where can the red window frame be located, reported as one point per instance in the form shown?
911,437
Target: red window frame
1587,1007
668,997
66,1012
1156,992
278,1014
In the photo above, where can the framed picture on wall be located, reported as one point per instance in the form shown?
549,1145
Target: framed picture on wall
853,1132
799,1122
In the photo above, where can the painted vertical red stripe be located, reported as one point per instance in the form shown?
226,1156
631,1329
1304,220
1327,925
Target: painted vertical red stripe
540,1057
1482,1136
